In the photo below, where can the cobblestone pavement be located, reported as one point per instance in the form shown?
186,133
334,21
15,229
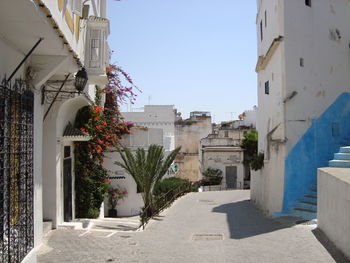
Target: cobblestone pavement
199,227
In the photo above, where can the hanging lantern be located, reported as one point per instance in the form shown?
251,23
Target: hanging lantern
81,79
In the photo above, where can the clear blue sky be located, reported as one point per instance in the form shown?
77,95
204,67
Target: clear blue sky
198,55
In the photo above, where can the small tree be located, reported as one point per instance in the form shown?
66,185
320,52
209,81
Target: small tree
147,168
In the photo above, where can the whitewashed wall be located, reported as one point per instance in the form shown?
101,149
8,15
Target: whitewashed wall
156,116
139,138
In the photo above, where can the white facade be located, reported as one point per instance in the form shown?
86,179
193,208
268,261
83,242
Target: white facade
249,117
156,116
61,51
303,96
223,154
139,138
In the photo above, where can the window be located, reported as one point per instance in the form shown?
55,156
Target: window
308,3
301,62
226,134
265,19
261,30
95,48
267,87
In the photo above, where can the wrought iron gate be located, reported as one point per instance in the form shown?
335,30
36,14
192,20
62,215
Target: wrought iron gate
16,171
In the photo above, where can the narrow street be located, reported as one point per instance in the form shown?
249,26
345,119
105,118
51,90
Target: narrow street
199,227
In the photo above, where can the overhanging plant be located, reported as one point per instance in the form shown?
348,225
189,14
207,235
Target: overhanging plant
105,127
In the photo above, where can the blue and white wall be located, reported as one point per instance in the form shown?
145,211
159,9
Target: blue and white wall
314,102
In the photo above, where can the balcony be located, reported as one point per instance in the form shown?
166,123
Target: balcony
96,49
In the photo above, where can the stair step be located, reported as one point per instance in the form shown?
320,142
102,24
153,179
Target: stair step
339,163
305,210
47,227
304,213
309,199
311,196
308,202
342,156
345,149
309,206
311,193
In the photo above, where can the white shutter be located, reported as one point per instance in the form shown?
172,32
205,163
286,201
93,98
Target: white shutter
77,7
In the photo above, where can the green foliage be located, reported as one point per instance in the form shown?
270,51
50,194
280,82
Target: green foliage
251,156
105,127
147,168
250,142
257,162
171,185
212,177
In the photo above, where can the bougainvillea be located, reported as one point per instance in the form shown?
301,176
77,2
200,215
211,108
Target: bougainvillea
105,127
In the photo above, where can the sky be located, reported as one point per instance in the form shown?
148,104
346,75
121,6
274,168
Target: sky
198,55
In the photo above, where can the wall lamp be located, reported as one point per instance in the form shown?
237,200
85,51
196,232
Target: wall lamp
81,79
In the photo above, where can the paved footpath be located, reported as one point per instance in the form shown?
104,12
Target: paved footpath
199,227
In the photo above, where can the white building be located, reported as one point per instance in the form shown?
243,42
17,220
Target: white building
303,98
156,116
223,153
54,39
139,138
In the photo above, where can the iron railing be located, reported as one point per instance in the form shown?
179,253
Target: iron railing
16,171
162,202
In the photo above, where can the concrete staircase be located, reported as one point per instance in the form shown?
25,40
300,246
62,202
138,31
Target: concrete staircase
306,207
342,158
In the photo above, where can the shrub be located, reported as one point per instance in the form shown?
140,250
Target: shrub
212,177
170,185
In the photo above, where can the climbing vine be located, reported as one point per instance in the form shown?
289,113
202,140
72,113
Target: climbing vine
105,126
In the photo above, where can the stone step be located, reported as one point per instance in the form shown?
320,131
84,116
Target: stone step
307,205
339,163
71,225
311,199
47,227
304,213
342,156
345,149
311,193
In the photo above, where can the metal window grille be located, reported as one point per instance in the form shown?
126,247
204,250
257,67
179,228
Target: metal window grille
16,171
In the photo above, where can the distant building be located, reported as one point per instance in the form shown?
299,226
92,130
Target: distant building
156,116
188,134
221,150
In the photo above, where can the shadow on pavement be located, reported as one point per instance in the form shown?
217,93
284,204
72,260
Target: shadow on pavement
336,254
245,220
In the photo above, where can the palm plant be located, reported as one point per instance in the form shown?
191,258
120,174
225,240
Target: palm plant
147,168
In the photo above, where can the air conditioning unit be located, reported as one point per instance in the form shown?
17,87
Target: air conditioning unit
96,46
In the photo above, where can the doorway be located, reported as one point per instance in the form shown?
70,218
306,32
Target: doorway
231,177
67,185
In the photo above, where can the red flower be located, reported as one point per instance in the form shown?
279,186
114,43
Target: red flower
108,180
98,109
104,123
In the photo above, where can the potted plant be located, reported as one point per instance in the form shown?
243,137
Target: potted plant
114,195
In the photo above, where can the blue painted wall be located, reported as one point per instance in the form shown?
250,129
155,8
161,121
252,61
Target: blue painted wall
315,148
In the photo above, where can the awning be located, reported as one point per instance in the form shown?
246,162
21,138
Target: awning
73,134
